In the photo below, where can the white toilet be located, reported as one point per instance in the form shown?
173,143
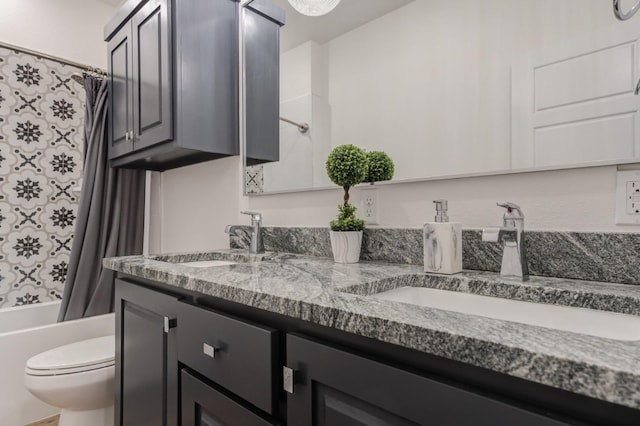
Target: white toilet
78,378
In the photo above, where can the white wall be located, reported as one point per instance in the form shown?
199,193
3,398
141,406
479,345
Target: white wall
70,29
580,199
564,200
191,206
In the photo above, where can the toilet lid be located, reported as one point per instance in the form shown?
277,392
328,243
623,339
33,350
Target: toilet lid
75,357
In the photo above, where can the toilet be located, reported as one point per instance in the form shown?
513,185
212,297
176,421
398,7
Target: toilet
77,378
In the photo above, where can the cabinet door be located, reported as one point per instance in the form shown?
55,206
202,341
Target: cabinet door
333,387
152,74
120,93
262,81
206,41
202,405
146,361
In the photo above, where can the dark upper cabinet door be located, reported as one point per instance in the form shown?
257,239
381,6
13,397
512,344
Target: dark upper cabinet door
146,361
206,38
152,74
262,22
121,93
334,387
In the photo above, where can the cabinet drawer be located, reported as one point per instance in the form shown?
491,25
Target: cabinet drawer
203,405
235,354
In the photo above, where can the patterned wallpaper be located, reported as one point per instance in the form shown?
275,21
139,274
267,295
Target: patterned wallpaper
41,119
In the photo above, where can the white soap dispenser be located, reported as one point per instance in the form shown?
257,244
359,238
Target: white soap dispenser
442,243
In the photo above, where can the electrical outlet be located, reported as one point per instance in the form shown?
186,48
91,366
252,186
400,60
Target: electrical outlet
628,197
633,197
369,205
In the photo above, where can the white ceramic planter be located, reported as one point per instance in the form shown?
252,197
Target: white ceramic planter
346,246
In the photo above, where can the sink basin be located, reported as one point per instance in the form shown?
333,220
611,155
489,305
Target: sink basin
208,263
610,325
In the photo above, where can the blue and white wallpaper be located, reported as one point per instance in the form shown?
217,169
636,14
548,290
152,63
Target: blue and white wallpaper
41,122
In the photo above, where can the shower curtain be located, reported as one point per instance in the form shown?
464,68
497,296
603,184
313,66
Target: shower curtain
110,215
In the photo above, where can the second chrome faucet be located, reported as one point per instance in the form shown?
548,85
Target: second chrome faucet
512,236
256,246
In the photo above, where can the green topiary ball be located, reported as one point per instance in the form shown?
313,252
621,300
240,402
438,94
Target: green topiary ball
347,165
380,167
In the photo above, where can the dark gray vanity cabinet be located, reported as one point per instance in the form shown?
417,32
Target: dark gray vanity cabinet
335,387
184,358
146,374
173,83
261,31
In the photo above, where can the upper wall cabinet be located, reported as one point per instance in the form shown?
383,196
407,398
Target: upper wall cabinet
173,83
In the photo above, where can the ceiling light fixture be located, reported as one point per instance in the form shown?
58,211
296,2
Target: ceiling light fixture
314,7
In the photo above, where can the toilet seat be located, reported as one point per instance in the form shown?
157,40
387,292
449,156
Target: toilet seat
86,355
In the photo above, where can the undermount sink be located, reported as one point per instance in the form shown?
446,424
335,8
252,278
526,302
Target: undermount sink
208,263
610,325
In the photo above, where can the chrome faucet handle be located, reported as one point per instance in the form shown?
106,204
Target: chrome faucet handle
511,207
513,216
255,216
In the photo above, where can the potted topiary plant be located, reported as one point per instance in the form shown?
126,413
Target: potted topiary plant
379,167
346,167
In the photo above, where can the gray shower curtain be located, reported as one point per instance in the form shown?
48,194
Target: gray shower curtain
110,215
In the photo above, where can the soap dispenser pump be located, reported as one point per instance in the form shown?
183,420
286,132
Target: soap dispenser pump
442,243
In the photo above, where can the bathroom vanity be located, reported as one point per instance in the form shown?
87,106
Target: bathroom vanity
290,339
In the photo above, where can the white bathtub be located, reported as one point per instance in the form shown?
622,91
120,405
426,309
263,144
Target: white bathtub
29,330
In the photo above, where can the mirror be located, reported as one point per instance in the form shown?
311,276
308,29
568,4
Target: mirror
456,87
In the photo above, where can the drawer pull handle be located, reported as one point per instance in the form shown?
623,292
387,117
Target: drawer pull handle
287,379
169,323
209,350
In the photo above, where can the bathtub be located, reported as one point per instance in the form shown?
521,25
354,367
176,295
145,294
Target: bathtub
29,330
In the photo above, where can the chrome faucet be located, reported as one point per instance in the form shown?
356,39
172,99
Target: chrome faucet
511,235
256,246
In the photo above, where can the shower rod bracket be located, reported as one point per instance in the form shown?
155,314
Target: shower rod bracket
302,127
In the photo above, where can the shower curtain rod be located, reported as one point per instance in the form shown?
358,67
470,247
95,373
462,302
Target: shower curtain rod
51,57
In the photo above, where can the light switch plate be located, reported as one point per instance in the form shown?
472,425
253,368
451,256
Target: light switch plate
628,197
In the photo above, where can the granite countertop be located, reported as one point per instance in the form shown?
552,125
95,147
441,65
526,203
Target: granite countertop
335,295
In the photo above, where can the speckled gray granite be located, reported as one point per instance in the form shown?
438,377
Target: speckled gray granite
588,256
335,295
